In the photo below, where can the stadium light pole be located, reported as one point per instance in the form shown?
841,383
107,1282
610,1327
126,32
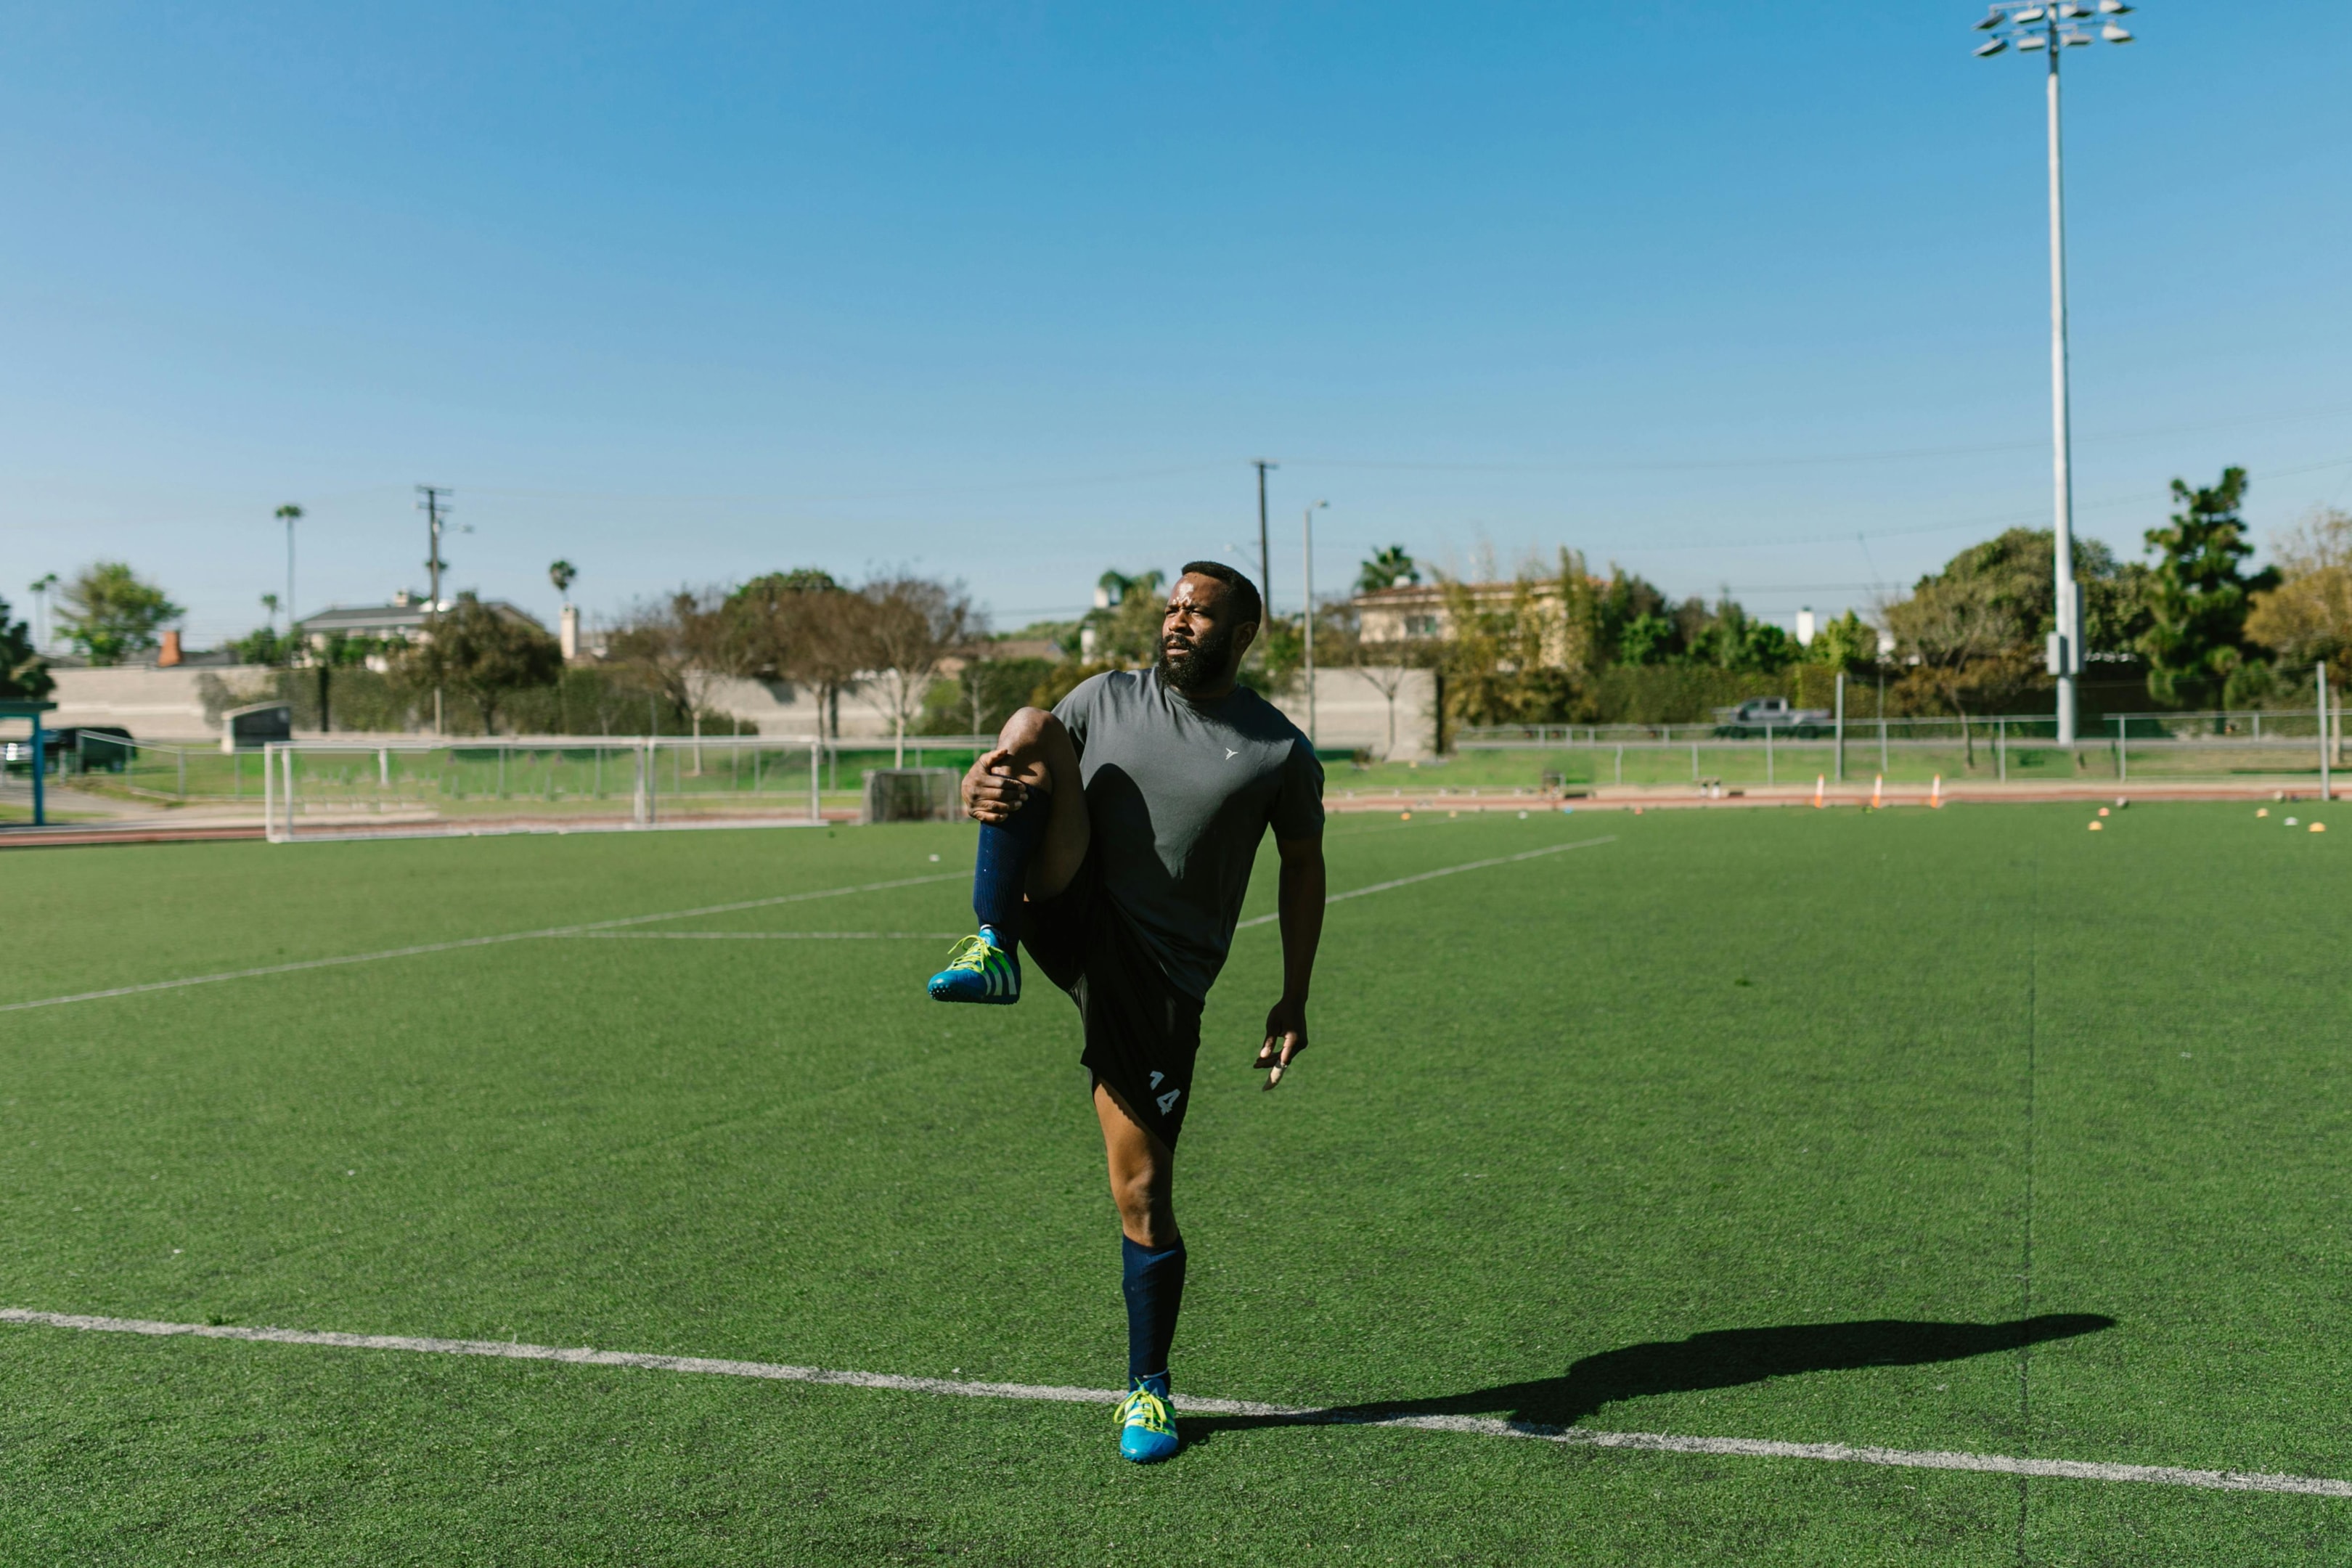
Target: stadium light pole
2027,27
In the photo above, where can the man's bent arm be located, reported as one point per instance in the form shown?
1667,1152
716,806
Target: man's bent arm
1300,897
1298,902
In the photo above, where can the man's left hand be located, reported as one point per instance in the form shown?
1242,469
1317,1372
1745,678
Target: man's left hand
1285,1037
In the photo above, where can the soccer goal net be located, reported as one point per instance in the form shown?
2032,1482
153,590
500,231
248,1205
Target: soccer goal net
312,788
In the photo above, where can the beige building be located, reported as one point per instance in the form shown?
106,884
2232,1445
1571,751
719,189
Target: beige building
1419,611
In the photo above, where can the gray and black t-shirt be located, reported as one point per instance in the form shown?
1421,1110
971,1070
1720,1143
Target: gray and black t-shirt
1178,795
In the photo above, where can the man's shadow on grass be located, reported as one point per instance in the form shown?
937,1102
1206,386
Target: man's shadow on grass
1722,1358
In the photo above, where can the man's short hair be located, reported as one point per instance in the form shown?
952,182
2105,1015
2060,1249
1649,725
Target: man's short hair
1246,597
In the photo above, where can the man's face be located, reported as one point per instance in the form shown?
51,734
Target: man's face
1200,644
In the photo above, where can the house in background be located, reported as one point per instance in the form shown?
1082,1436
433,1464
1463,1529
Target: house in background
405,620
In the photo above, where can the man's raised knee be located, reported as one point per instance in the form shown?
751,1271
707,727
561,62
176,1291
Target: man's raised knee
1027,728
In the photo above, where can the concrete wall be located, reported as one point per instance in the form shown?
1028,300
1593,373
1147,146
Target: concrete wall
165,705
1350,711
152,704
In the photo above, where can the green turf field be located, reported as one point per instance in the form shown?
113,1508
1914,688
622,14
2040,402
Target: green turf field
1849,1095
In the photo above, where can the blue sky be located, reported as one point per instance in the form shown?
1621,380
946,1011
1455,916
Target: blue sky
1012,294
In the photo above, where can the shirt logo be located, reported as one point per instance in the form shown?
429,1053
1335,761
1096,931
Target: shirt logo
1230,754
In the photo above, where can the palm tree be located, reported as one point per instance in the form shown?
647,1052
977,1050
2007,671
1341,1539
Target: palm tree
1387,569
289,514
41,588
562,573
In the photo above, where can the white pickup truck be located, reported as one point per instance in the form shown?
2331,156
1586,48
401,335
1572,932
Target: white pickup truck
1772,716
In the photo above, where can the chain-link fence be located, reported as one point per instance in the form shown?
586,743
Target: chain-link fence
308,786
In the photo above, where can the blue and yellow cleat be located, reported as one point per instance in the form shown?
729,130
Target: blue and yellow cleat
978,970
1147,1423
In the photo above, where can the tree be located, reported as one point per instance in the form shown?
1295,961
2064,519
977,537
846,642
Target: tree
679,650
1733,640
23,674
799,625
111,614
562,573
485,654
912,625
1387,568
1127,631
263,645
1630,615
1387,666
2198,600
1848,643
2307,618
1495,659
1967,637
1972,635
40,588
1651,637
984,694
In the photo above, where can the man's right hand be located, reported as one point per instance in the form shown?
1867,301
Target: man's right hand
990,792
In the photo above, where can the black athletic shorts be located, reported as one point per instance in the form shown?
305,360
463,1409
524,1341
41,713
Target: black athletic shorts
1142,1032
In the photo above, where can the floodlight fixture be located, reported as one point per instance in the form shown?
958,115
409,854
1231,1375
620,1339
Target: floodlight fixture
2051,28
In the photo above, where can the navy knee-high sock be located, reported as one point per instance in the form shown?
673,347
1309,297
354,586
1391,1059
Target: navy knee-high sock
1001,871
1154,1285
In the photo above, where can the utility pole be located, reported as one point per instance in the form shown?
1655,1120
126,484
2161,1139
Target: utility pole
2030,27
435,507
1264,563
1307,531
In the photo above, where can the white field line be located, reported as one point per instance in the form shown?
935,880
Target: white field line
762,935
592,928
421,948
1574,1437
1442,871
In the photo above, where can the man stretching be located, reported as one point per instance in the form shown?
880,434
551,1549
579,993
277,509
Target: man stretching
1117,835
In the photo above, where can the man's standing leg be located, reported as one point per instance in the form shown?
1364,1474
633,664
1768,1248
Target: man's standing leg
1032,811
1142,1180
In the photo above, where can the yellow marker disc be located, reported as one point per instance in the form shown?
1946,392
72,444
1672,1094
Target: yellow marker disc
2096,826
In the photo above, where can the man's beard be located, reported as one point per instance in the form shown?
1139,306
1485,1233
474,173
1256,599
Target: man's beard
1204,663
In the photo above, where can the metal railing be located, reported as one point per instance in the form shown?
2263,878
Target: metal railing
2172,745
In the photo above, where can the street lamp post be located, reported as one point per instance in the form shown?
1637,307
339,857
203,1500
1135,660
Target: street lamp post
1306,530
2027,27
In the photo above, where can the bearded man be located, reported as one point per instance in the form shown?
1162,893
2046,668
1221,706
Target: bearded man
1117,837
